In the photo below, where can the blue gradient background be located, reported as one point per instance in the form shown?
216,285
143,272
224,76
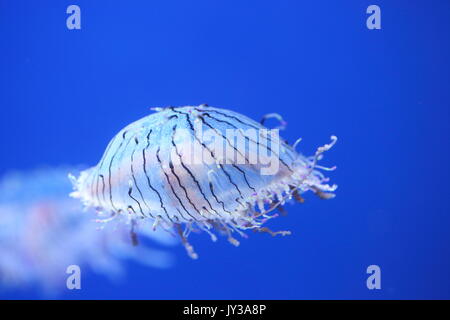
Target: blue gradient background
384,93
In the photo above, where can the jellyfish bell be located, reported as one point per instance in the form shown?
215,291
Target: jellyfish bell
151,171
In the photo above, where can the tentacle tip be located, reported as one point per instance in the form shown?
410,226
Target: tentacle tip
325,195
193,255
134,240
75,194
190,251
72,178
234,242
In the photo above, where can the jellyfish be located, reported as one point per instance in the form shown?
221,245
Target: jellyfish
43,231
201,168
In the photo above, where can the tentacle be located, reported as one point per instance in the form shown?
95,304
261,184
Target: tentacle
189,248
297,195
272,233
276,116
294,146
134,238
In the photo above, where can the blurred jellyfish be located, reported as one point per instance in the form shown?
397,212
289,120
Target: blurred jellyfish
43,231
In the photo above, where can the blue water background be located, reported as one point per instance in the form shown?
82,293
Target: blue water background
384,93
